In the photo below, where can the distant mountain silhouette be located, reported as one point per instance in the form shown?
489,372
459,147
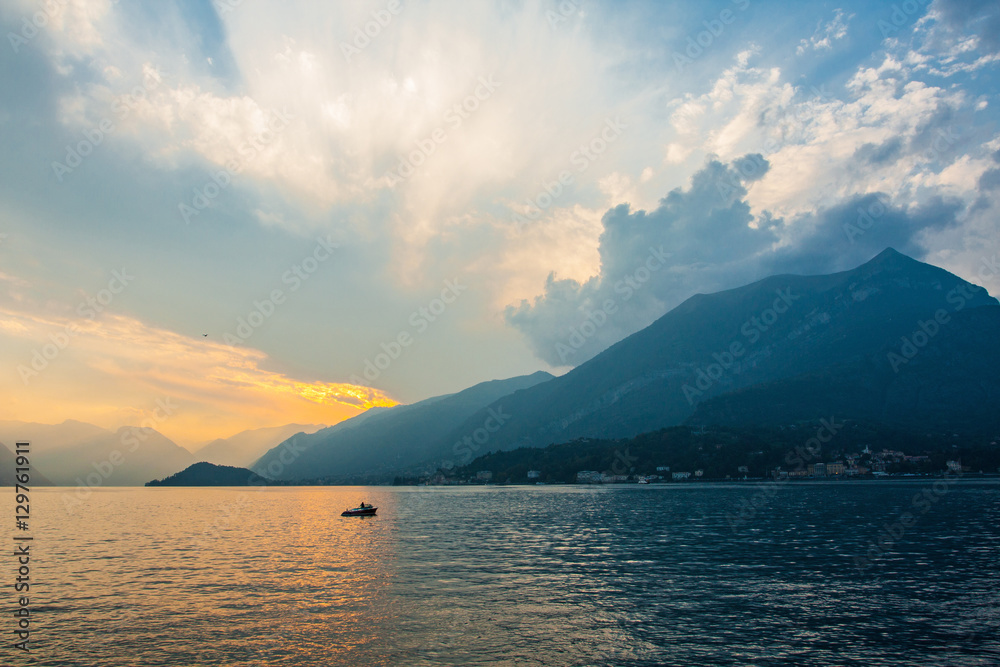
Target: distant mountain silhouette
244,448
379,442
893,341
76,453
776,342
53,436
8,461
209,474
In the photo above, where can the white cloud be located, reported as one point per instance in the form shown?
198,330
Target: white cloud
826,34
356,119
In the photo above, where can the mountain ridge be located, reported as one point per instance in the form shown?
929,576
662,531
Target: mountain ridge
638,384
374,446
246,447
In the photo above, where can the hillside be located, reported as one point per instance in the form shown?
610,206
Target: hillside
376,444
950,384
210,474
76,453
8,463
732,453
244,448
772,331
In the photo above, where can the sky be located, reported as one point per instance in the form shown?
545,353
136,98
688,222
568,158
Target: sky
371,203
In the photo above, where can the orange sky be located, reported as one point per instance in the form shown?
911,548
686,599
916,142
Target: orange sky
118,371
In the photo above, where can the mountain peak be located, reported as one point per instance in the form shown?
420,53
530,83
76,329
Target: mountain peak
778,328
891,257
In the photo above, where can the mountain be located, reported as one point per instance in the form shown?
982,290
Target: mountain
244,448
209,474
76,453
782,336
8,461
380,442
732,452
54,436
894,341
951,385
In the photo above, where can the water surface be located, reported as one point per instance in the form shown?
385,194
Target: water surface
629,575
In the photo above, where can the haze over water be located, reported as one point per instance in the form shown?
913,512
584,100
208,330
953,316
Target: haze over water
517,575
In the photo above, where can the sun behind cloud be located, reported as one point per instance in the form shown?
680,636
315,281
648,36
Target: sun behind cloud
115,370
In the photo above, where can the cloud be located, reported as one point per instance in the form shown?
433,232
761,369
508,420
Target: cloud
412,95
989,180
853,231
877,121
708,240
75,26
956,37
979,18
699,236
879,154
126,363
826,34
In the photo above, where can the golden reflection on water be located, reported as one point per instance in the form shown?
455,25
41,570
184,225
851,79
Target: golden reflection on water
215,576
533,576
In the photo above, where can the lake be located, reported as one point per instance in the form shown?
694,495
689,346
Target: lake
679,574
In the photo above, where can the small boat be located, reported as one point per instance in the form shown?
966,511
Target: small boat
363,510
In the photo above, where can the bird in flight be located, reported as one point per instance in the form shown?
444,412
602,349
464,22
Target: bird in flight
204,334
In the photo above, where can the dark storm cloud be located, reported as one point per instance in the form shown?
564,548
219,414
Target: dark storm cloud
697,236
703,239
849,234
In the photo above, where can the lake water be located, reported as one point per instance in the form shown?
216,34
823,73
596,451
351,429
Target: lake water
631,575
